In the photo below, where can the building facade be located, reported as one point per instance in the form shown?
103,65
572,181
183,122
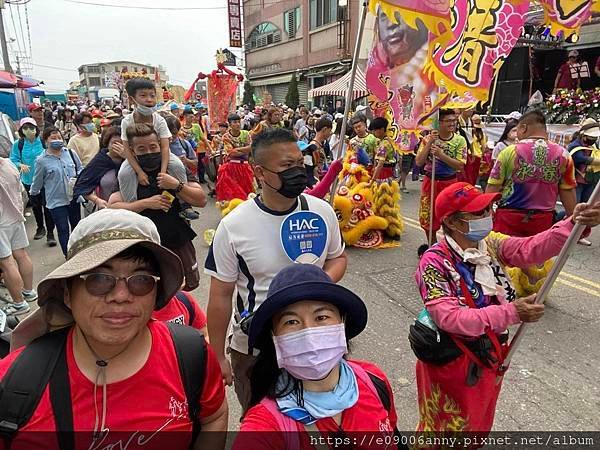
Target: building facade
103,74
312,40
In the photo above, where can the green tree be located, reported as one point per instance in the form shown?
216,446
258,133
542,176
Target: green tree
292,99
248,95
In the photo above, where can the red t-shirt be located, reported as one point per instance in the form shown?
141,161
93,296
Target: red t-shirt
565,81
367,416
176,312
146,410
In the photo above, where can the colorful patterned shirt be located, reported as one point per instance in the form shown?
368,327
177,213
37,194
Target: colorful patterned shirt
386,151
531,173
231,142
369,143
456,148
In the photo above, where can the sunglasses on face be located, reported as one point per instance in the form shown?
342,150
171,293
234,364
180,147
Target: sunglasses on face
102,283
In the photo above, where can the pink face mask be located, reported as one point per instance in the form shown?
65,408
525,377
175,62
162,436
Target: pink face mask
311,353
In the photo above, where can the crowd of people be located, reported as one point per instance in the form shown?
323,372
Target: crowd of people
119,349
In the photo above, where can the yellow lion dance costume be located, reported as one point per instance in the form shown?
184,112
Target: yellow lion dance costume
358,222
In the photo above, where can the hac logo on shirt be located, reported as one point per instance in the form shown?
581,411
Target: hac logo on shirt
304,236
304,224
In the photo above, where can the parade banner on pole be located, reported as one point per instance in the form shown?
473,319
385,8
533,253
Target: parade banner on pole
400,90
433,14
567,16
463,58
221,89
484,34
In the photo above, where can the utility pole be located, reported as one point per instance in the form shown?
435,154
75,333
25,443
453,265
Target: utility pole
3,41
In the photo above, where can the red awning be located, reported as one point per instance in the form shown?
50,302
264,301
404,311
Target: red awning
340,86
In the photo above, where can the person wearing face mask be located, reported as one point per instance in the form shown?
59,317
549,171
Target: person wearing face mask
162,199
56,171
142,94
254,241
460,337
23,155
99,178
303,381
85,143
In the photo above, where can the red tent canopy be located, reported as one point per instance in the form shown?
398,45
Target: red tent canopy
7,80
10,80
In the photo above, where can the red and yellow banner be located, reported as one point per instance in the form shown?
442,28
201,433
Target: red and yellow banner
484,34
567,15
468,42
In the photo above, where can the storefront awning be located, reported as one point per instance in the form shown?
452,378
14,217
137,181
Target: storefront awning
271,80
339,87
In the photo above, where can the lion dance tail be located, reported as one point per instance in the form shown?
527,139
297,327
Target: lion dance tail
386,204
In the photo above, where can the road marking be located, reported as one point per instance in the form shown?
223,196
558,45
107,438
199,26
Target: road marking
595,292
580,279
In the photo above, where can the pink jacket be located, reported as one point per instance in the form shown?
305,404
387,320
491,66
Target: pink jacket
439,284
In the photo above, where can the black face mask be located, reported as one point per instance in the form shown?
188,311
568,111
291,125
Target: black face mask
588,141
150,162
293,181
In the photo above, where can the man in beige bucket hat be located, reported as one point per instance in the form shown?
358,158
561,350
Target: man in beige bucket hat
119,372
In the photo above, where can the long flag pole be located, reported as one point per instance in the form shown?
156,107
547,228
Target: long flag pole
561,259
350,92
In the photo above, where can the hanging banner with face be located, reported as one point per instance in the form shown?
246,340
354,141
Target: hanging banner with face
400,90
465,59
433,14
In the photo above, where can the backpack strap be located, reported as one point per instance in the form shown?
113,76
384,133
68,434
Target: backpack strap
303,203
182,298
21,144
375,384
190,348
24,384
286,425
60,398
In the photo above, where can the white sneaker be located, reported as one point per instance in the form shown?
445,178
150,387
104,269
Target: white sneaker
16,309
584,242
31,296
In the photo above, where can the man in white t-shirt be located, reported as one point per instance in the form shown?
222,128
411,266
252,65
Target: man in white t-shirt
300,126
248,249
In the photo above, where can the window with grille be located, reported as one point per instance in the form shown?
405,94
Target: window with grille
291,22
264,34
322,12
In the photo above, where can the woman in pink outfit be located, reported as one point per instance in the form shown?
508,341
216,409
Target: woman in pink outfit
460,337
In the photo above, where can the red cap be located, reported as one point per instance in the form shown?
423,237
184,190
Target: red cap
105,122
33,107
97,113
462,197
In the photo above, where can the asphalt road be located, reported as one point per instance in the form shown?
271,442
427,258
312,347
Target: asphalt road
554,380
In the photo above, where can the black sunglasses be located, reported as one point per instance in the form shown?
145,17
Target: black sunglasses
102,283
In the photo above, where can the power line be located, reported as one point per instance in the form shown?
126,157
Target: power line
12,18
55,67
21,29
28,29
